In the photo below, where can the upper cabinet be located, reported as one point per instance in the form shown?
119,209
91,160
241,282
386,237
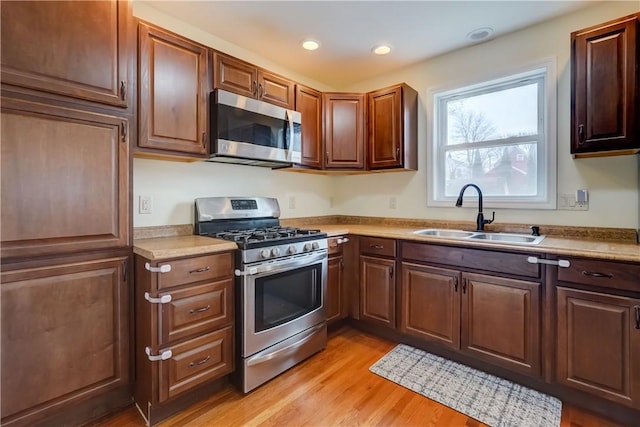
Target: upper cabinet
604,87
174,83
248,80
83,53
392,129
309,104
344,135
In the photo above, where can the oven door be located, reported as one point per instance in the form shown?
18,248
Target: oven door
280,299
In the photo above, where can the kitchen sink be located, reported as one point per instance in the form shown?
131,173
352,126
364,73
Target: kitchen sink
444,233
483,236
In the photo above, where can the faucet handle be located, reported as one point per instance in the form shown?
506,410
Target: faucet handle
493,218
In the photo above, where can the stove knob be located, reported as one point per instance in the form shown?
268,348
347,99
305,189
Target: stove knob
315,245
307,247
264,253
292,250
275,252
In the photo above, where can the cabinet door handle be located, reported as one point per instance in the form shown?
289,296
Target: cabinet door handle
199,362
326,159
596,274
200,270
581,134
199,310
391,272
455,284
372,246
398,153
464,286
254,87
637,310
260,90
123,132
341,265
204,138
123,90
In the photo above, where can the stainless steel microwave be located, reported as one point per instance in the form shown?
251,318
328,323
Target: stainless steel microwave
253,132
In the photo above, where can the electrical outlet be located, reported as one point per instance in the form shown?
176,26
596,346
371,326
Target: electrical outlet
292,202
568,202
393,203
144,204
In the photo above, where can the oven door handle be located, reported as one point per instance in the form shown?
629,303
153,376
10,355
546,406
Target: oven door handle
283,265
285,350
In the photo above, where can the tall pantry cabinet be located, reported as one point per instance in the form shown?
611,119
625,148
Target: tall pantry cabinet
67,118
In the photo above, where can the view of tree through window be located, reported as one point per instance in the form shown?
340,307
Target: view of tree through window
491,138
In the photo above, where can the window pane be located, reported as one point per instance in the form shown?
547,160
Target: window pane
493,115
500,171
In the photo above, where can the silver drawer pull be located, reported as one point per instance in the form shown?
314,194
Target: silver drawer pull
162,269
162,300
559,263
199,362
162,356
200,270
376,246
200,310
596,274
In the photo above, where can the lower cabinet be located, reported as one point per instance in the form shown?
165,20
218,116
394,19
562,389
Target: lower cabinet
378,281
184,330
65,342
336,300
491,318
598,349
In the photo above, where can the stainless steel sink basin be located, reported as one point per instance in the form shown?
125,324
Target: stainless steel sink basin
508,238
444,233
483,236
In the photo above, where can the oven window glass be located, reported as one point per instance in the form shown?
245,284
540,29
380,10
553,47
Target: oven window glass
235,124
286,296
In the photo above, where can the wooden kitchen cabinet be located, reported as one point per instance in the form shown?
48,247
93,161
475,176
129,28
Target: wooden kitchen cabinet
599,344
65,180
344,133
309,104
81,50
492,318
377,281
184,330
336,300
392,139
65,341
174,85
245,79
604,88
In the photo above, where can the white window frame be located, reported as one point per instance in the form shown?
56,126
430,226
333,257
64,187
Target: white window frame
547,148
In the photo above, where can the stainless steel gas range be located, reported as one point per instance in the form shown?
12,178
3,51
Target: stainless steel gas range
280,286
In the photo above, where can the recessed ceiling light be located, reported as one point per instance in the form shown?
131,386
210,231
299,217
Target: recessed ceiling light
480,34
383,49
310,44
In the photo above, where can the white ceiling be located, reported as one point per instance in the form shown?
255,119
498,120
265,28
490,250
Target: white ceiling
347,30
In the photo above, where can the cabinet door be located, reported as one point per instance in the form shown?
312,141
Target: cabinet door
234,75
430,304
74,48
65,336
344,130
377,290
604,88
599,344
334,301
65,180
385,128
309,104
276,90
174,86
501,321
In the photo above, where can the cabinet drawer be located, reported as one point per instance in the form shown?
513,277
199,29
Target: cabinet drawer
195,362
605,274
378,246
196,309
196,269
477,259
335,244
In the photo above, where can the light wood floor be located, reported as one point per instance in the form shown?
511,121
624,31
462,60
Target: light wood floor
333,388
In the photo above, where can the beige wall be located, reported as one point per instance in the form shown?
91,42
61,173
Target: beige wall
613,183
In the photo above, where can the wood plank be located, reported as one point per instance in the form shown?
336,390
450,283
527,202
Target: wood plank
332,388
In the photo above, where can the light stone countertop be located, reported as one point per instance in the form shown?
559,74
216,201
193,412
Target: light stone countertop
189,245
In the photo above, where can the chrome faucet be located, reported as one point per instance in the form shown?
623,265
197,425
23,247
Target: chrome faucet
480,221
